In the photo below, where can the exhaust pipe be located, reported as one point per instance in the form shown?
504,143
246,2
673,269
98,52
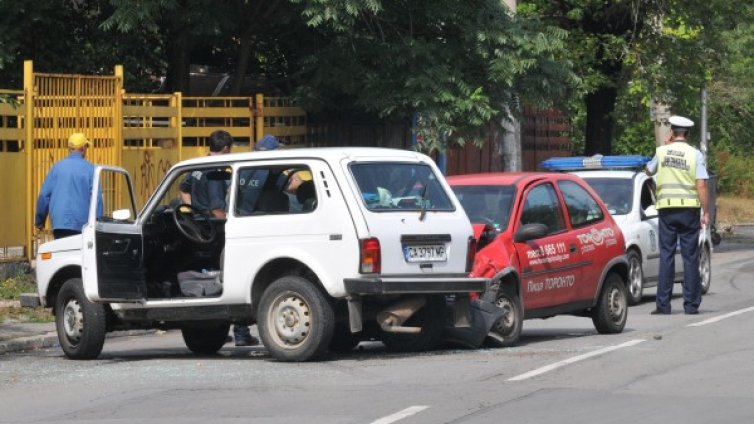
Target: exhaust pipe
391,319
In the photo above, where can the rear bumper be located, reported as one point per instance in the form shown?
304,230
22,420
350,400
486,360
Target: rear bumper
407,285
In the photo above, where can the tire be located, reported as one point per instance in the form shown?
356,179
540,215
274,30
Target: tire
705,269
430,319
295,319
81,324
205,339
506,331
610,313
635,278
716,238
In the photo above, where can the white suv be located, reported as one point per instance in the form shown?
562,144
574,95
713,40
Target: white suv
373,242
630,198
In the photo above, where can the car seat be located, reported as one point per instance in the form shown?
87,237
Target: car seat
306,195
272,201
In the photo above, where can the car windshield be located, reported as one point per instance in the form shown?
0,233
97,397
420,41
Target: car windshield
487,204
400,186
617,193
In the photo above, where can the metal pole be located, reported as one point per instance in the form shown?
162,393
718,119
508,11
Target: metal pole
703,132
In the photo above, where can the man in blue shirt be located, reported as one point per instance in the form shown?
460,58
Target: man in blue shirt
66,191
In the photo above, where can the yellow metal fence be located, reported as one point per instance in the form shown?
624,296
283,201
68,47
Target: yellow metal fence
144,133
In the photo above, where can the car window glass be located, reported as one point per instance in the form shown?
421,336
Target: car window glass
388,186
617,193
582,208
114,195
648,194
542,207
487,204
204,188
263,190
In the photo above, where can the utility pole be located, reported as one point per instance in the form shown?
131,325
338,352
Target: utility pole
703,131
659,112
510,145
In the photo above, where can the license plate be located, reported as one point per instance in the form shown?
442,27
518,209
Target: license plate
426,253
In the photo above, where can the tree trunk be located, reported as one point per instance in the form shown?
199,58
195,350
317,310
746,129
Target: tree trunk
599,121
179,65
244,54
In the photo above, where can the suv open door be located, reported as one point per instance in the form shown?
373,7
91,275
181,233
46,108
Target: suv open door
113,249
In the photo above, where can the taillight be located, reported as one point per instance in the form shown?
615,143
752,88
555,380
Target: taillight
371,260
470,252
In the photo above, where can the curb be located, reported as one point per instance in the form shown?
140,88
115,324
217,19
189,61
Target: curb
50,339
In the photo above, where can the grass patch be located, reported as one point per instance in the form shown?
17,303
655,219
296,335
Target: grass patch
26,315
734,210
12,288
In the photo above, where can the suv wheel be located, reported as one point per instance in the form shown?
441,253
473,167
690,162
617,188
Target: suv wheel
506,331
205,339
635,278
296,321
430,319
80,323
705,269
609,316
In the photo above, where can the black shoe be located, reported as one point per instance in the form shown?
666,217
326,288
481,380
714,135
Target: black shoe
660,312
693,312
247,341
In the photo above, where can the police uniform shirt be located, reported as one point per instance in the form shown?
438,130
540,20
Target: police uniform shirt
207,189
701,165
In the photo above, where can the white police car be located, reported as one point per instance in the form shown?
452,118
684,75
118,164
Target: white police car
630,197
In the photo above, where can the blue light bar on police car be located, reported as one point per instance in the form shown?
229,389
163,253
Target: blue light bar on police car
595,162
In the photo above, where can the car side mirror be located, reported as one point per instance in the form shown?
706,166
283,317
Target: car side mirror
122,214
649,213
530,232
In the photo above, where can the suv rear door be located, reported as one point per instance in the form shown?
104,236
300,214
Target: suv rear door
113,265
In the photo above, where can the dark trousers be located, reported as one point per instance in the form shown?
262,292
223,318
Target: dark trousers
679,224
64,233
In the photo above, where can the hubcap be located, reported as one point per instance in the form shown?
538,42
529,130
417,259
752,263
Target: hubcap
506,323
616,304
291,319
73,320
636,277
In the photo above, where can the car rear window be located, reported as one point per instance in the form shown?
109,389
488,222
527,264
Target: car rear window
400,186
487,204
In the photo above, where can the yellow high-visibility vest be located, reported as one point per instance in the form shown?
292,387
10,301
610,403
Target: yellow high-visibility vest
676,176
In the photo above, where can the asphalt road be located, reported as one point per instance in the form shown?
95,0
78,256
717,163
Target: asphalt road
661,369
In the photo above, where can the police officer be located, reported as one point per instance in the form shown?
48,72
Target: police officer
681,177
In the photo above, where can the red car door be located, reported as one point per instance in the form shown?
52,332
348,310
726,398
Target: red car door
550,265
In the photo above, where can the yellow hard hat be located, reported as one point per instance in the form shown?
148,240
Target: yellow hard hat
77,141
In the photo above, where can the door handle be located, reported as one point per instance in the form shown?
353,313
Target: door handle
572,248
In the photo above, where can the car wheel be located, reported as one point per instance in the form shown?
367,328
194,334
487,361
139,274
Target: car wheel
205,339
635,278
296,320
705,269
506,331
80,323
430,319
609,316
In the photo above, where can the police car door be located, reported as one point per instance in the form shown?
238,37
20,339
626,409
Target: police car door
649,236
113,266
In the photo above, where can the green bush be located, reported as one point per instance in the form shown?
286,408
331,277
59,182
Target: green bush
12,288
735,175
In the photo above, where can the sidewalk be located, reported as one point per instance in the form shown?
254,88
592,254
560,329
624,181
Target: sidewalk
16,337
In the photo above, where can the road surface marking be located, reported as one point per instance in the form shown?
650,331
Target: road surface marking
721,317
578,358
411,410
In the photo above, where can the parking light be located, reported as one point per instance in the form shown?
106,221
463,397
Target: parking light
580,163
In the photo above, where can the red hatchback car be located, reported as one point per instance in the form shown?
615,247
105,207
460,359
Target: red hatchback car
550,246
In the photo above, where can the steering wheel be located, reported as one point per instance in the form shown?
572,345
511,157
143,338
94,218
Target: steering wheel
195,225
